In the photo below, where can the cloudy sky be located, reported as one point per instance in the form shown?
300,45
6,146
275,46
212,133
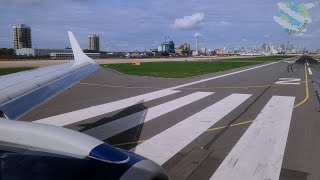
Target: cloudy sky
142,24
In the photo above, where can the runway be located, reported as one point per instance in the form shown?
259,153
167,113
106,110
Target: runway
258,122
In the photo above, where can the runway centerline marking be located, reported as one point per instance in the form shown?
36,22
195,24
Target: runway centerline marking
310,72
288,81
118,126
166,144
266,139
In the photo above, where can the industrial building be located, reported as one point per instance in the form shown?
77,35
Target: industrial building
36,52
184,49
22,36
94,42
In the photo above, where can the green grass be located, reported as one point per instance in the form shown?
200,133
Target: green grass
177,69
5,71
264,58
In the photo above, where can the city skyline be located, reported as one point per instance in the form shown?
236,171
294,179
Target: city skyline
127,26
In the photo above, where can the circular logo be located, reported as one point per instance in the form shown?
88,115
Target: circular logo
293,16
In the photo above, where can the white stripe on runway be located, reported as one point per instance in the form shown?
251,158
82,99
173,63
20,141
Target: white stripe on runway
83,114
310,72
115,127
163,146
259,152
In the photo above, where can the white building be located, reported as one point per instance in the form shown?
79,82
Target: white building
70,55
163,47
40,52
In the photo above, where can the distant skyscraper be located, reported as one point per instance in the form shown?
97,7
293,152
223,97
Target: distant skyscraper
171,46
94,42
22,37
290,46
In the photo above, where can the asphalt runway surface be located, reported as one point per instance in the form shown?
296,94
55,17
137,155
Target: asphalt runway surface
257,122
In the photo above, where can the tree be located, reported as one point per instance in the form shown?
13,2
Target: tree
6,52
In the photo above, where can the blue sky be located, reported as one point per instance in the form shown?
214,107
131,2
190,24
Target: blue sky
125,25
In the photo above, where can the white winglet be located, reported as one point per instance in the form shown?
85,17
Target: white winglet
79,55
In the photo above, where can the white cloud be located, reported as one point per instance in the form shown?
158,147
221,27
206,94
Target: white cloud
196,34
244,40
223,24
303,35
189,22
267,36
26,1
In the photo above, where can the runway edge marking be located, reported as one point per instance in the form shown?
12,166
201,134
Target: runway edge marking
266,139
120,125
166,144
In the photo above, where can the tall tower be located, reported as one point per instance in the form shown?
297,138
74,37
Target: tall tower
22,37
94,42
196,35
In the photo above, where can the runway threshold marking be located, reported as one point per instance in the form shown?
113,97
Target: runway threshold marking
166,144
118,126
209,130
259,152
307,88
94,111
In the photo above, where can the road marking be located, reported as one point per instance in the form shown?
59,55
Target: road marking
259,152
83,114
310,72
209,130
307,88
120,125
79,115
166,144
288,81
193,88
221,76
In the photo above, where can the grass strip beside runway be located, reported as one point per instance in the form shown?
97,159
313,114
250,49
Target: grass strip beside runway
5,71
177,69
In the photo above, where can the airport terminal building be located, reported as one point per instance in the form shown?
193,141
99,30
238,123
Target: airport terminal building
36,52
52,53
70,55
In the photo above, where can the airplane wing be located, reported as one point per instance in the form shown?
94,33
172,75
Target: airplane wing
21,92
38,151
